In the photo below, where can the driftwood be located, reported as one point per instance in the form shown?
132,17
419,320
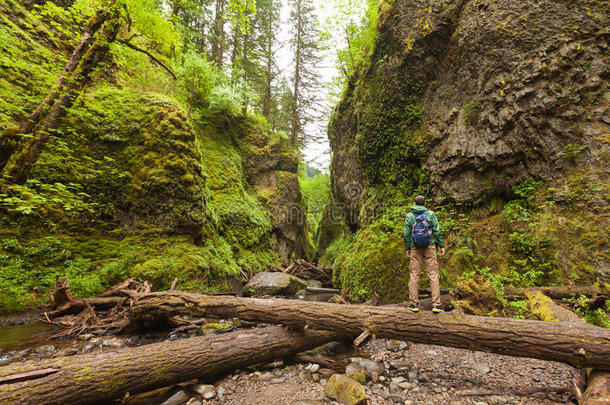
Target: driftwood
303,269
114,301
104,377
568,342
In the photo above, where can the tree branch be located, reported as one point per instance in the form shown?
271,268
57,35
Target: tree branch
151,56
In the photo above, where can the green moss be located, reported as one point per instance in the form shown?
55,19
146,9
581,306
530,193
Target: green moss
373,262
214,327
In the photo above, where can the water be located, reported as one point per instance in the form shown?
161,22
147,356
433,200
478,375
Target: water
21,337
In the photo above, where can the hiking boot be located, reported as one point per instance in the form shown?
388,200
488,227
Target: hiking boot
413,307
437,309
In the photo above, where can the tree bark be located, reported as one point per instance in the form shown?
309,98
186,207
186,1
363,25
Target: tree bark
568,342
598,386
558,292
103,377
598,389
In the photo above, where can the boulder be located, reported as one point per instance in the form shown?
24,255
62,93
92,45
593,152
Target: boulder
345,390
271,283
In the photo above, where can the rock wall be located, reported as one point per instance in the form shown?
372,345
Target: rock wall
497,111
472,97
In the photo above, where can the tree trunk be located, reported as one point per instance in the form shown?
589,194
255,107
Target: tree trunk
269,76
543,307
61,99
568,342
559,292
598,389
296,122
103,377
30,122
218,33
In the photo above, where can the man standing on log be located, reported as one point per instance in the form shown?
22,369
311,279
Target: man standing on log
422,235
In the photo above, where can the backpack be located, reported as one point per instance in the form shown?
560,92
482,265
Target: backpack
421,232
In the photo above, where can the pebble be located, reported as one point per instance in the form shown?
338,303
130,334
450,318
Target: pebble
412,376
397,345
206,391
276,380
179,398
481,368
266,377
194,401
326,372
399,399
314,368
47,349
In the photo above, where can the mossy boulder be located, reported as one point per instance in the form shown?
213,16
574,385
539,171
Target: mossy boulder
477,296
273,283
345,390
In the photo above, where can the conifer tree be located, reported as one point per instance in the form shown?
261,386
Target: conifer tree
305,79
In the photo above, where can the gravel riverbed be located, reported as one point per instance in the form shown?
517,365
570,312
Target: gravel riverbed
412,374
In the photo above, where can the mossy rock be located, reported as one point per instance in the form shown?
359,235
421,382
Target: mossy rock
358,377
271,283
477,296
345,390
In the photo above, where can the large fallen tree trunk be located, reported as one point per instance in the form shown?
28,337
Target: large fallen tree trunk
598,386
567,342
102,378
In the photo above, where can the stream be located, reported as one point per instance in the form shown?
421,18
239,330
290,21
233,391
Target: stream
32,341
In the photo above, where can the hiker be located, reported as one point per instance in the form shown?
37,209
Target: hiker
422,236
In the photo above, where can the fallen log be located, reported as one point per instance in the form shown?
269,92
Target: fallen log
598,386
558,292
598,389
103,377
568,342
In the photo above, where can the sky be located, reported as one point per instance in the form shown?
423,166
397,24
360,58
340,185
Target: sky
315,154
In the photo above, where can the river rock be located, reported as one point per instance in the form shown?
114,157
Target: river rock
397,345
345,390
179,398
266,377
273,283
481,368
44,350
335,347
360,377
326,372
314,283
369,366
206,391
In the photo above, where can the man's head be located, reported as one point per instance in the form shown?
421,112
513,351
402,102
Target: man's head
420,200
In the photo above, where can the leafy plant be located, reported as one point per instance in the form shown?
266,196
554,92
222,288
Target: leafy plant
571,151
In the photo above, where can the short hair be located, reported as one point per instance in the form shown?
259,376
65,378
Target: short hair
420,200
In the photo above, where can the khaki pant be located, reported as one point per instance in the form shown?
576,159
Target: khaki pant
427,257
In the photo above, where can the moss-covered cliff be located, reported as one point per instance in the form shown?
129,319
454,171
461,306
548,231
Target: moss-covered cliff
498,112
131,186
